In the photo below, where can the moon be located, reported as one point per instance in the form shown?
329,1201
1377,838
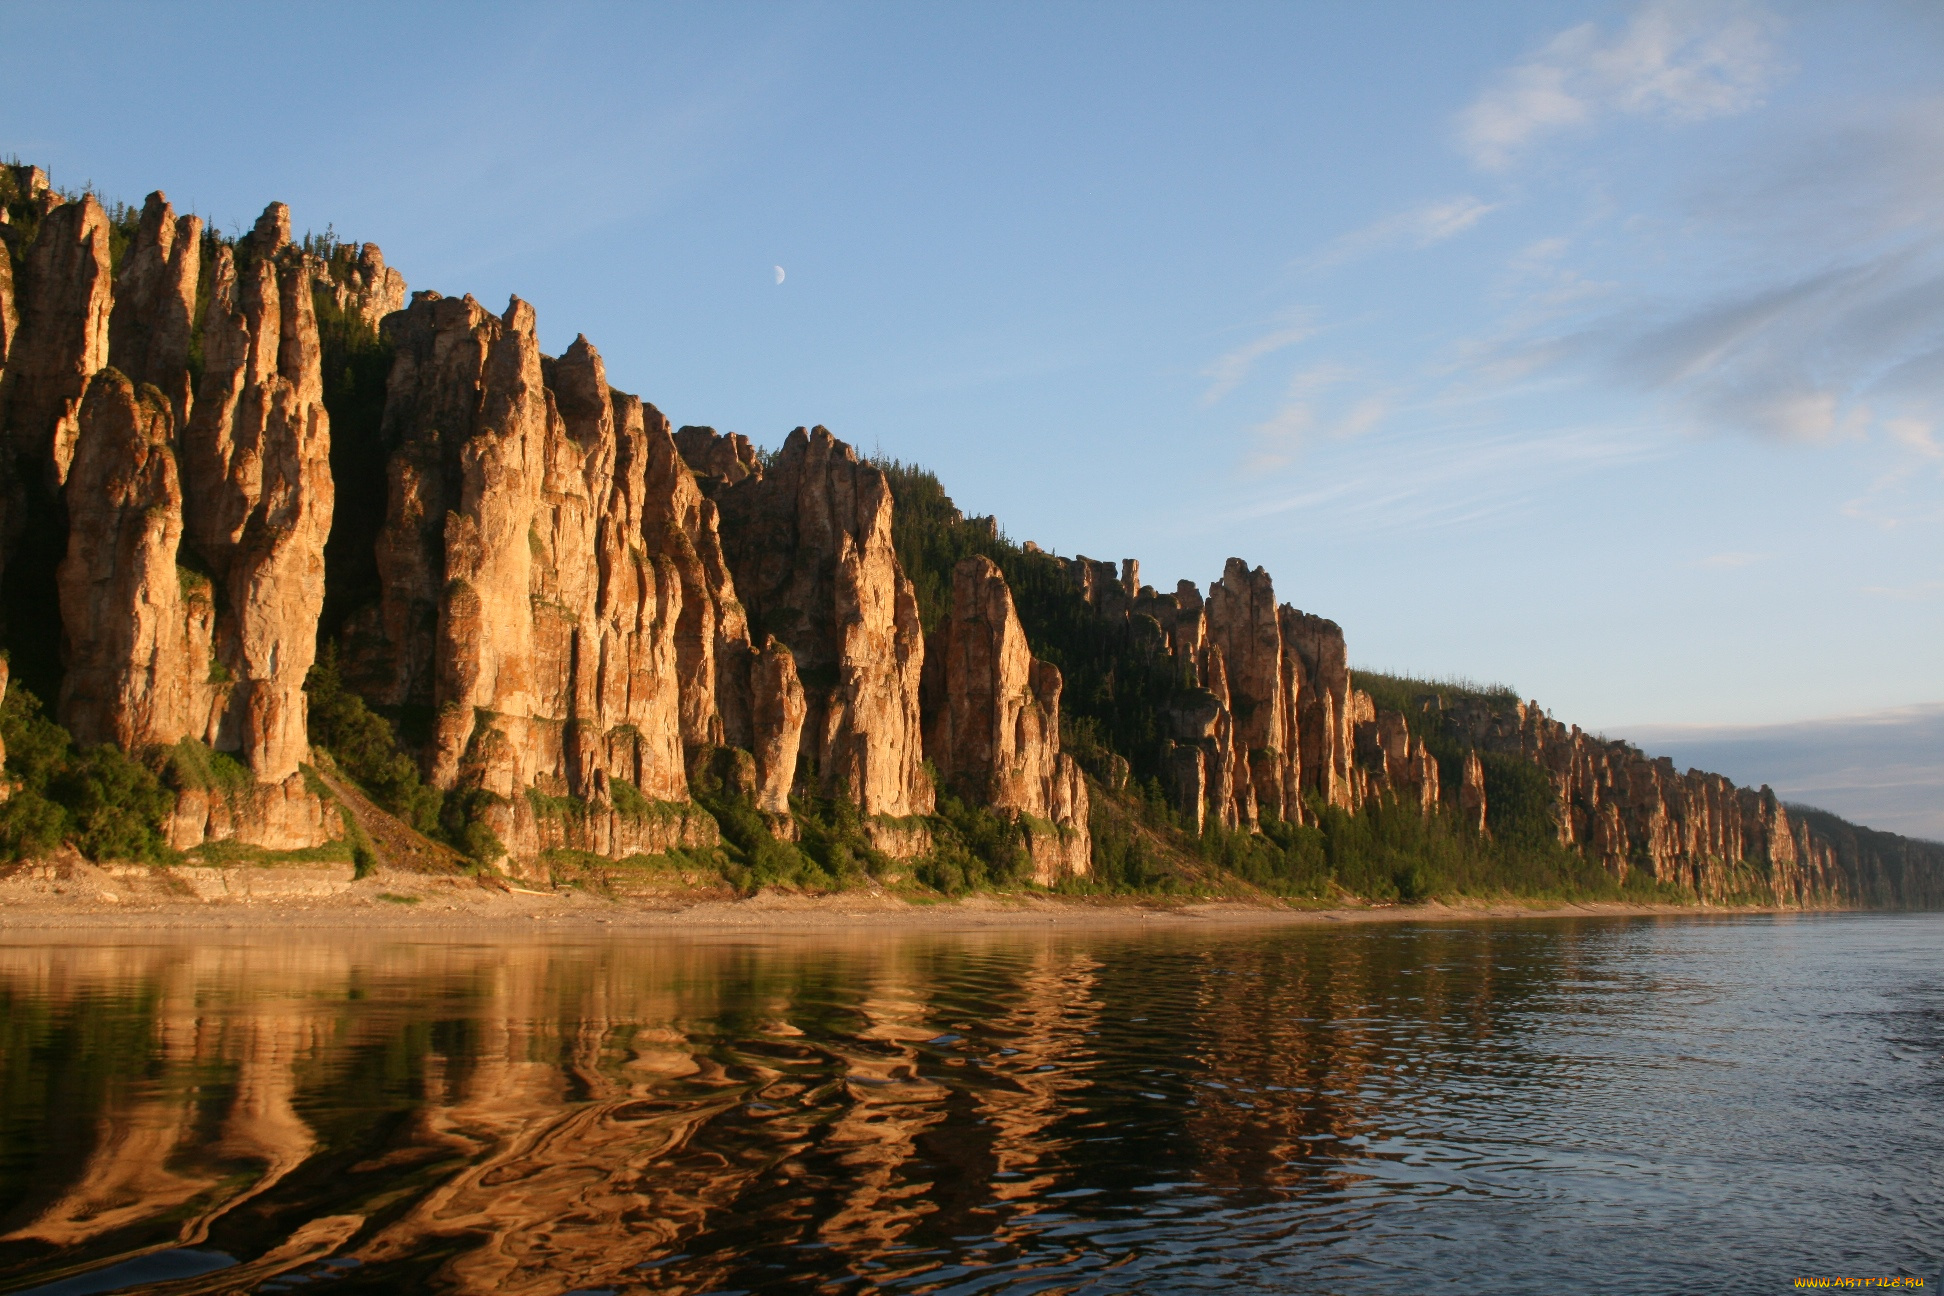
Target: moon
779,273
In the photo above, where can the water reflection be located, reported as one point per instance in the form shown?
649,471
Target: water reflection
1373,1109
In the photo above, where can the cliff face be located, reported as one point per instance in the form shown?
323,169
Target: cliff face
809,546
1631,812
572,607
63,298
190,527
993,731
1264,726
258,493
140,629
520,604
368,289
153,321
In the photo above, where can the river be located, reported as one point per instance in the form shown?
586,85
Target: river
1639,1105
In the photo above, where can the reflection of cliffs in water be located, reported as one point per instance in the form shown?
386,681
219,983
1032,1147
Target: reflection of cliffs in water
151,1148
1342,1027
676,1116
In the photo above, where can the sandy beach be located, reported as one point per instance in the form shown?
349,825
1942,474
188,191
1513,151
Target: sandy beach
73,897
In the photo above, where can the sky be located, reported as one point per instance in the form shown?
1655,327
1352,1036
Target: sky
1593,348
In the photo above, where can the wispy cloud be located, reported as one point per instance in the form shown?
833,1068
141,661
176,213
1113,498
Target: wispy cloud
1915,434
1232,370
1811,314
1678,61
1822,358
1419,227
1278,439
1402,481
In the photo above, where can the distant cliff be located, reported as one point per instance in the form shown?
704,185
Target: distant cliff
265,522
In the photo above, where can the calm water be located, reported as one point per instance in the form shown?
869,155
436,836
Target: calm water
1640,1105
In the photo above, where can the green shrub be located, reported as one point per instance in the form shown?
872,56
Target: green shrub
365,747
462,822
194,764
107,804
833,839
1521,808
756,857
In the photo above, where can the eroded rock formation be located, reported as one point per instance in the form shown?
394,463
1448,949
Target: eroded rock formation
63,299
993,727
586,607
139,629
153,321
1391,760
777,711
192,575
258,492
361,284
1629,811
809,545
1266,722
520,601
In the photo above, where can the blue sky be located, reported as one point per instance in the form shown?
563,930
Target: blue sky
1594,348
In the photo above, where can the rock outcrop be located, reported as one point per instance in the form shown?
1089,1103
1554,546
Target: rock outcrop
9,317
1471,793
714,656
1265,723
1629,812
361,284
153,321
1264,695
723,458
777,713
258,492
520,601
1323,718
139,629
809,545
63,300
190,573
993,727
1391,760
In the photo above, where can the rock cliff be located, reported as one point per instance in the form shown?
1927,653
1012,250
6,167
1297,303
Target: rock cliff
63,297
809,545
565,610
520,604
360,285
1630,812
993,731
257,486
139,629
174,538
1264,727
152,324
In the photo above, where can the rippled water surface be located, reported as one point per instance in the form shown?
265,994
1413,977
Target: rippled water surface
1638,1105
